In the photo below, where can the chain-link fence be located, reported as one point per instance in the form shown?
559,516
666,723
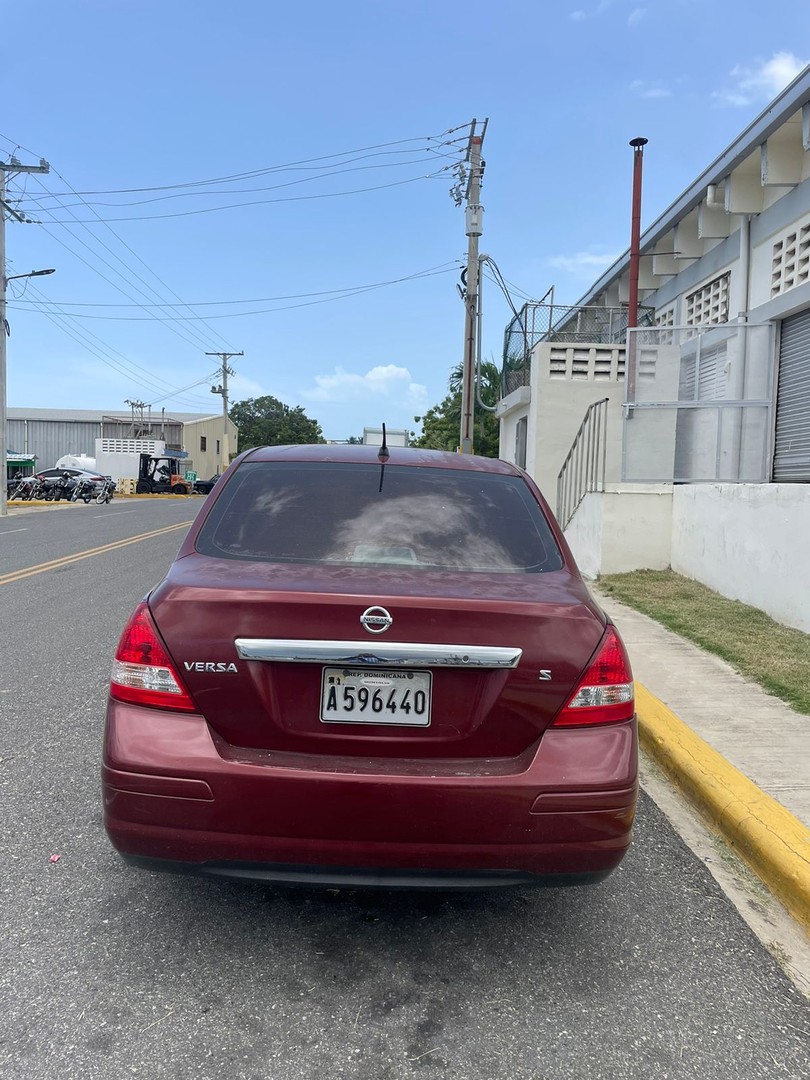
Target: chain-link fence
560,322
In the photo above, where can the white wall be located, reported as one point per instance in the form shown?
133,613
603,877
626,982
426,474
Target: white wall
750,542
511,410
559,404
584,535
627,528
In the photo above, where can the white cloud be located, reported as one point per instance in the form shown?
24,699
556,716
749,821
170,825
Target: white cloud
651,91
580,15
635,16
383,381
761,82
241,387
584,263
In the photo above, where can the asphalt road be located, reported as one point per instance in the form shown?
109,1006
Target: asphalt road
109,972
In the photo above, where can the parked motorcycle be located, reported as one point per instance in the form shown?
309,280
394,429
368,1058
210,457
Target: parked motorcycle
22,489
84,489
59,487
107,492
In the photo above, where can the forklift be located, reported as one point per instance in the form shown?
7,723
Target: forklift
159,475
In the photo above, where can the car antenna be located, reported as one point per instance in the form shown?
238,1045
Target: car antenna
383,455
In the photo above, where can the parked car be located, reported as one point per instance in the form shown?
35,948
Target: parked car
205,487
380,671
74,474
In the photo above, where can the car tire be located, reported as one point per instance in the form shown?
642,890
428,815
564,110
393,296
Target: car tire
179,489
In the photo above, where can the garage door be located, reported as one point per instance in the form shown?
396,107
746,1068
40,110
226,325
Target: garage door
791,460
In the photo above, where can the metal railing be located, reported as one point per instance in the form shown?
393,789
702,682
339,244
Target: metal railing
699,404
584,467
560,322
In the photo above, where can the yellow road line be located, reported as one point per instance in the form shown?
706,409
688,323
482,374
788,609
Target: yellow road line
774,843
67,560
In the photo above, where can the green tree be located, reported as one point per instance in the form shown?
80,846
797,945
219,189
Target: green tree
441,424
266,421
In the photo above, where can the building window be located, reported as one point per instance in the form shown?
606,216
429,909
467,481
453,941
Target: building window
520,442
708,305
665,319
790,260
217,446
203,443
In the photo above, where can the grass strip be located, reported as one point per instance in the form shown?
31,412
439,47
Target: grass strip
775,656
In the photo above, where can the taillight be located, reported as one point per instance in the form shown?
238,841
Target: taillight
605,692
142,671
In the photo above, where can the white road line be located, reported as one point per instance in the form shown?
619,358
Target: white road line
114,513
7,531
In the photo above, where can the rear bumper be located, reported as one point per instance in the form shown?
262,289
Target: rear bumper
173,792
360,877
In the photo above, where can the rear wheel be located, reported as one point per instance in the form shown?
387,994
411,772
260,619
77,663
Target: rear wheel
179,489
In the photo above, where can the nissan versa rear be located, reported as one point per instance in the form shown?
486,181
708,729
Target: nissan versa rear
379,670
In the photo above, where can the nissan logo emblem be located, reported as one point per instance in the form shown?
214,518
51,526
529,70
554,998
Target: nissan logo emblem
376,620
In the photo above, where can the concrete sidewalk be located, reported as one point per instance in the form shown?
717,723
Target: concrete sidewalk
740,754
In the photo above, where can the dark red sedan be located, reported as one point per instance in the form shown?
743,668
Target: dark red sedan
372,670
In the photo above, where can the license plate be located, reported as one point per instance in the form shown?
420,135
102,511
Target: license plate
370,696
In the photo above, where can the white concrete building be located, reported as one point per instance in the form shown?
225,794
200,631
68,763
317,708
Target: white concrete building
696,448
373,436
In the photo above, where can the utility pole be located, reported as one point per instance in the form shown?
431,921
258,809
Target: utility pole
223,390
635,254
474,218
140,406
12,166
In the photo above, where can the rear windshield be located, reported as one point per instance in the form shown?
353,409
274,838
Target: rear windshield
422,519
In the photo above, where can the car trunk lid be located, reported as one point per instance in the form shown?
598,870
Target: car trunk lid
471,665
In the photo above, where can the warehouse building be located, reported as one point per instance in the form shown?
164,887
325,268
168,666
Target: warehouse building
49,434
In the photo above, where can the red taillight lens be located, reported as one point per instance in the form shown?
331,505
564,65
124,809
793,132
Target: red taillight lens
142,671
605,692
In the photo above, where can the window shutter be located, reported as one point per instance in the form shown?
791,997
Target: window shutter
791,461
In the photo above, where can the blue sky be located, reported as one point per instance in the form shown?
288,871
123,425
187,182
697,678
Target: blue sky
162,94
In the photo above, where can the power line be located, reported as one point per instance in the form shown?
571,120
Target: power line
196,341
499,280
38,200
263,171
119,288
519,291
104,352
253,202
146,266
261,311
182,390
265,299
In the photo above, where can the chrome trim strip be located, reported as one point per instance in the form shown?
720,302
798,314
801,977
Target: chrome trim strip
388,653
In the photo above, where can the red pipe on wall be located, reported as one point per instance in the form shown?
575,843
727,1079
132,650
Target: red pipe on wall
635,230
635,243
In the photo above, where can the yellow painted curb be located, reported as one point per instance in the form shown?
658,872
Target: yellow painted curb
768,837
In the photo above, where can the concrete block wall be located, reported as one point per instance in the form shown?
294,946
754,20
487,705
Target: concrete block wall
748,542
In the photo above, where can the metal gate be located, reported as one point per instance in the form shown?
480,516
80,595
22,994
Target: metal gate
791,461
